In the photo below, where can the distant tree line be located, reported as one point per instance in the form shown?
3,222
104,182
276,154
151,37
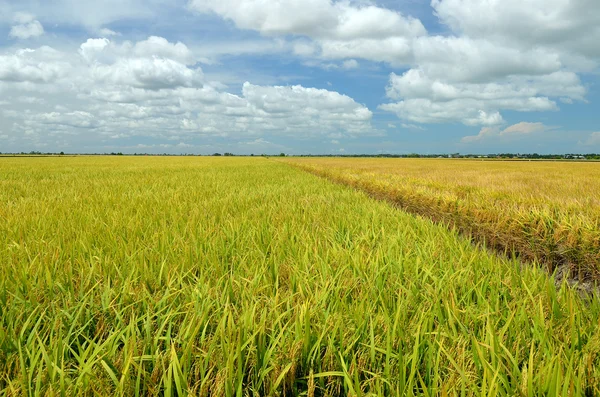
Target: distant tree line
530,156
526,156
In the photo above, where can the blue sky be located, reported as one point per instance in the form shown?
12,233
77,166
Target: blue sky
300,76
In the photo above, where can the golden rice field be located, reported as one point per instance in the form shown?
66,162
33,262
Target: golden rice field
250,277
543,211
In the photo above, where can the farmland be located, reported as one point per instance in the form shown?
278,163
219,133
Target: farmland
249,276
547,212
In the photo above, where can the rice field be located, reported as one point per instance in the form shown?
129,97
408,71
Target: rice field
547,212
251,277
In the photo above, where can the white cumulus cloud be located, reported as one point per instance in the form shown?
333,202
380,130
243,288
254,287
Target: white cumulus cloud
108,32
314,18
568,25
27,26
594,139
108,91
520,129
499,55
42,65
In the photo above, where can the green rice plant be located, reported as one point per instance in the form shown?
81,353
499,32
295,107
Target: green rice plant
235,277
